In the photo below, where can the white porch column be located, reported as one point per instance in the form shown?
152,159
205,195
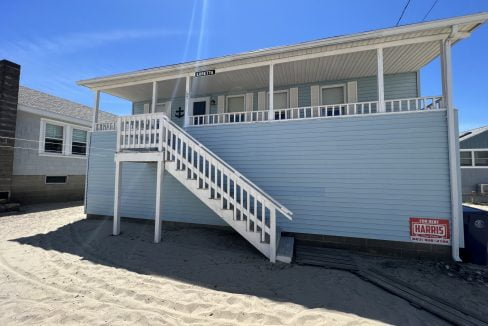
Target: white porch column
443,73
118,183
154,97
96,108
159,192
381,82
453,139
271,92
187,101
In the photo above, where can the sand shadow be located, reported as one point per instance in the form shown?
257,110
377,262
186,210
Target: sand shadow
221,260
51,206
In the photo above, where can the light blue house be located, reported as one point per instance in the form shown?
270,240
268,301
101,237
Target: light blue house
346,150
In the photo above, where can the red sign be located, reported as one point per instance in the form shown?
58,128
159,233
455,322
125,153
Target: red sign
430,230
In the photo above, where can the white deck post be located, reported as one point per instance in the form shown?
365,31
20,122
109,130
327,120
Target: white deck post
187,101
381,82
96,108
157,214
454,169
271,92
272,238
118,177
154,96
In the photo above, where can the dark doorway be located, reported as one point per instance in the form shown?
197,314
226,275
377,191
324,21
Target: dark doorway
199,108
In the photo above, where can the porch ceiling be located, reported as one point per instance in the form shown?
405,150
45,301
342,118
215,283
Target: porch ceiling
399,59
388,37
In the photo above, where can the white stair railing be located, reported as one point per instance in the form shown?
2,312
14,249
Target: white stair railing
235,192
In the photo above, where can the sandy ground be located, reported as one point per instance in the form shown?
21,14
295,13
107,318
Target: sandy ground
56,267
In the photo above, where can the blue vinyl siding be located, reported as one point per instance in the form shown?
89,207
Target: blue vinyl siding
396,86
353,176
138,188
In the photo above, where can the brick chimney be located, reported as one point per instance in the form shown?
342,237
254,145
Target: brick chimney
9,94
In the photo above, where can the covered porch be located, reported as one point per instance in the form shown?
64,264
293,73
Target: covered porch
378,78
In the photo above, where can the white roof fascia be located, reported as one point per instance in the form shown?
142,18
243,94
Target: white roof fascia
178,69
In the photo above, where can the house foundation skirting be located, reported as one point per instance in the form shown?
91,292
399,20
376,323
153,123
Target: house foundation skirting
33,189
372,246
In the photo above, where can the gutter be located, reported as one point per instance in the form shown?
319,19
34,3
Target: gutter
453,143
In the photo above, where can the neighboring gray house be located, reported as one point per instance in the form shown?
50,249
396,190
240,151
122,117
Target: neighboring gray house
474,164
49,157
329,140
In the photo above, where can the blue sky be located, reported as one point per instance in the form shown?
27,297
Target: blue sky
60,42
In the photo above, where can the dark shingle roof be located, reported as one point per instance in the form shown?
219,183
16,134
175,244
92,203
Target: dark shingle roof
46,102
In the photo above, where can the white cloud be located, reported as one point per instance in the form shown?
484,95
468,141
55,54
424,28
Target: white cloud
76,42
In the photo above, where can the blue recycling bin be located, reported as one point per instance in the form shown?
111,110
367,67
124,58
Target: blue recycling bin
475,235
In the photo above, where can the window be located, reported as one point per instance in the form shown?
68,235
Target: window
78,142
53,140
332,95
280,100
235,103
56,179
481,158
62,139
466,159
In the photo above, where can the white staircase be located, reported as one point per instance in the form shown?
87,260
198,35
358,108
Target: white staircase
235,199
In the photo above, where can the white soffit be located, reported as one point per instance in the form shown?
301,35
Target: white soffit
437,27
400,59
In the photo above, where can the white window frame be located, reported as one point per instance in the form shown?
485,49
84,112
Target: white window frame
473,166
205,99
67,138
234,96
344,90
278,92
71,141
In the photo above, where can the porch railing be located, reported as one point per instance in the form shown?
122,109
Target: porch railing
321,111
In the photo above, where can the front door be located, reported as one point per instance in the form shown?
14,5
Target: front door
199,108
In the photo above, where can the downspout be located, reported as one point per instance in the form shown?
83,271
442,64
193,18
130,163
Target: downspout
454,169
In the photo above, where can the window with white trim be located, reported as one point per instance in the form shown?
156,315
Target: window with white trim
78,142
53,138
62,139
236,103
480,158
333,95
466,159
474,158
